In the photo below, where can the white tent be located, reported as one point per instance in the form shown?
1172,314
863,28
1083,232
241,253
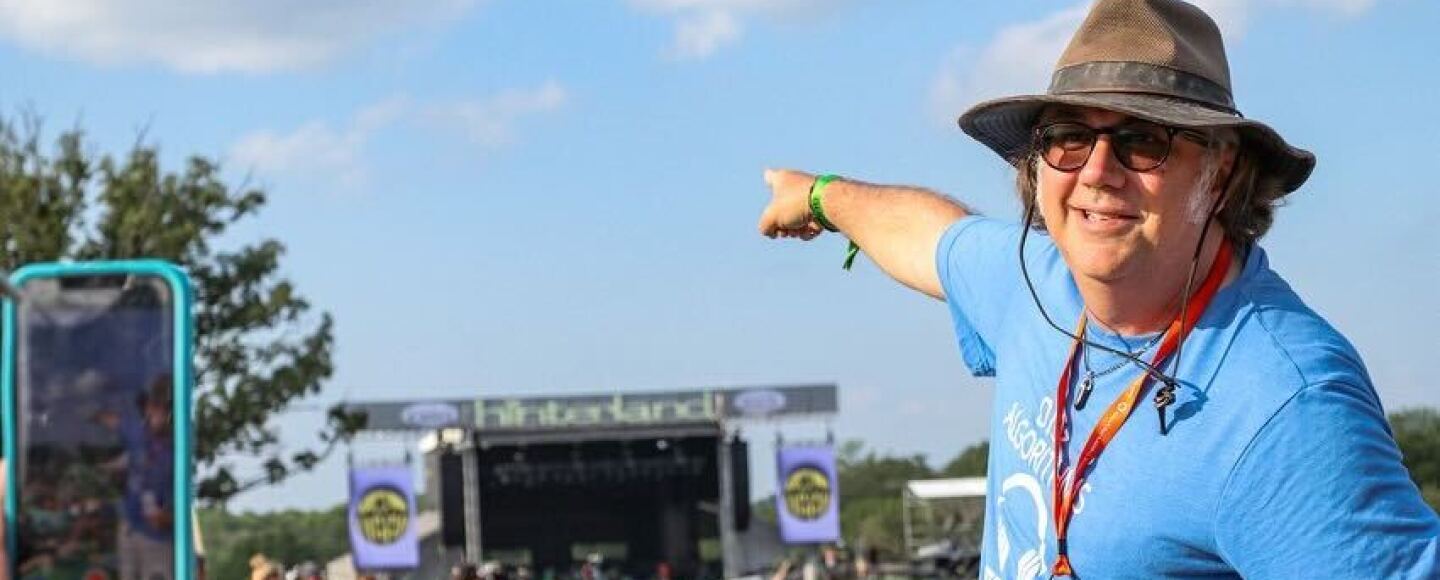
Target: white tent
943,514
946,488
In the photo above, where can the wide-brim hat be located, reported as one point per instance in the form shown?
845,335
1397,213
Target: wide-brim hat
1158,60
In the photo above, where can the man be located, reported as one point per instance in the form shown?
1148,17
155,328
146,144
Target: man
262,568
144,541
1165,405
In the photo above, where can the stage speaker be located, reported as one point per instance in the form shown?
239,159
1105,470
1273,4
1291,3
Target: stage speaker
740,479
452,499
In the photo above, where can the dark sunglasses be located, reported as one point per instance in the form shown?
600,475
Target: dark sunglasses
1066,145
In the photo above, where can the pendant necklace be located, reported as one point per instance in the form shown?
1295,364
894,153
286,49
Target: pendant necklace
1087,383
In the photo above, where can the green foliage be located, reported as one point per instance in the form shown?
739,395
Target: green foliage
970,463
1417,431
258,348
763,510
1431,493
871,510
290,537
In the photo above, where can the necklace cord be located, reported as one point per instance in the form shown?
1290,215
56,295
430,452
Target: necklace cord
1164,396
1035,296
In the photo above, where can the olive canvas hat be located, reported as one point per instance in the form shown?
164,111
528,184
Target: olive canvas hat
1158,60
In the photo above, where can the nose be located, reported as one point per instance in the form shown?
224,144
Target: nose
1102,170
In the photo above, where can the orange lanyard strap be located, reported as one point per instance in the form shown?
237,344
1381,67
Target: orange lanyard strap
1119,410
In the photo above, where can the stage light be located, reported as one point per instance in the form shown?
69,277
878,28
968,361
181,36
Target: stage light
452,436
429,442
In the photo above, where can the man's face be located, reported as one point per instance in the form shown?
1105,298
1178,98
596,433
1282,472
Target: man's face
157,416
1111,223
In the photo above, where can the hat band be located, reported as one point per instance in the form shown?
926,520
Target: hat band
1139,77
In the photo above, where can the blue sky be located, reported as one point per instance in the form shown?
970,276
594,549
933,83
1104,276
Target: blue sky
507,198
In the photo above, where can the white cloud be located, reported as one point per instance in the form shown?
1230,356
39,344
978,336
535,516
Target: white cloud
338,155
1018,61
1341,7
1233,16
703,27
683,5
1021,57
314,147
318,149
700,35
489,122
207,36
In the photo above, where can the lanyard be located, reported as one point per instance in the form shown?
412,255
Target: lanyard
1118,411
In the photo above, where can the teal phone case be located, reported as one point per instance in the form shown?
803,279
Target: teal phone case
179,284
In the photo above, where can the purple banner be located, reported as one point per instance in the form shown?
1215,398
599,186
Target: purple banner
808,496
382,519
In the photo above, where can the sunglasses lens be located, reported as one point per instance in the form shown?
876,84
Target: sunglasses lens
1066,146
1142,148
1139,147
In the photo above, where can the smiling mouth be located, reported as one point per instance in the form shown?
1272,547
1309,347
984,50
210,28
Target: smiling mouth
1100,216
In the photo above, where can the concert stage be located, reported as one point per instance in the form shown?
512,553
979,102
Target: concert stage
640,479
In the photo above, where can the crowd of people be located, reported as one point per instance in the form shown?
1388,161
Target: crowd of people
263,568
490,571
592,568
831,563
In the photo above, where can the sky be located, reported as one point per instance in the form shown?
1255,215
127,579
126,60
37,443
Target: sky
497,197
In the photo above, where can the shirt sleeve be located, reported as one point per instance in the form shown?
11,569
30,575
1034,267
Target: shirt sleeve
979,271
1321,492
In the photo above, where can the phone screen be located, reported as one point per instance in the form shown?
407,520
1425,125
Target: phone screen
95,442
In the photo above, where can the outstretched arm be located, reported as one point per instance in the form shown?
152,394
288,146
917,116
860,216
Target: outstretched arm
897,227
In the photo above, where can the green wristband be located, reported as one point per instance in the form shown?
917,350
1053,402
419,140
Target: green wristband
817,211
817,194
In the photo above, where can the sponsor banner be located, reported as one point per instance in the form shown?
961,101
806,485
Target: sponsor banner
430,415
414,416
758,403
611,410
808,496
382,519
779,401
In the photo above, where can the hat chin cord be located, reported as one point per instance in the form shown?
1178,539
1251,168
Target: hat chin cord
1165,395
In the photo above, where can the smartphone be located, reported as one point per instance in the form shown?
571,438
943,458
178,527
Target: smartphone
96,421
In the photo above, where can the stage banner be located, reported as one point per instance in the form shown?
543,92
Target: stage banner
382,518
808,500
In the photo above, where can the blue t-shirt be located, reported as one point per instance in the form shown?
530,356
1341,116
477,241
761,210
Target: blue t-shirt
149,470
1279,462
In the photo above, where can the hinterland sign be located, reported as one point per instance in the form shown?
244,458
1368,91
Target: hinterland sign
609,410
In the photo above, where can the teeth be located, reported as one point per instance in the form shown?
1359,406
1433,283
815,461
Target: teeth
1090,215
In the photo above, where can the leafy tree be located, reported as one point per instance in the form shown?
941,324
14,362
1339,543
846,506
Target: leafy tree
763,510
969,463
258,347
870,483
290,537
1417,431
871,511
